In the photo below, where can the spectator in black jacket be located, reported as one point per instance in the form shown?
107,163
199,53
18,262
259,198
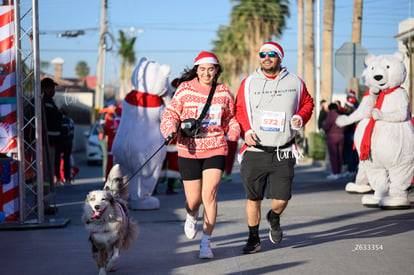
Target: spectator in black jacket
64,150
350,153
52,129
323,113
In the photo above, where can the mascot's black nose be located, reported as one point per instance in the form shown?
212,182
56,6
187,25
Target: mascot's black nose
378,77
97,207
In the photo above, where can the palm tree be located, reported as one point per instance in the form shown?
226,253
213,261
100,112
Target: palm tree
356,38
327,51
258,21
126,51
82,70
300,38
310,60
230,50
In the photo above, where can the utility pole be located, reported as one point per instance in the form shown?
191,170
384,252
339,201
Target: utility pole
318,59
356,38
310,60
100,70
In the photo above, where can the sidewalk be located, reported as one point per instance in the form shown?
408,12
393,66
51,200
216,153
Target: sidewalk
326,231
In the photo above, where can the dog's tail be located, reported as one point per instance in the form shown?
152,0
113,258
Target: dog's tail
131,234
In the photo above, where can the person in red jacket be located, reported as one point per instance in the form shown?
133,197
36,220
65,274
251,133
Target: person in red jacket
111,127
271,106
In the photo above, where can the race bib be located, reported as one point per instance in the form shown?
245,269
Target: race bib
272,121
213,116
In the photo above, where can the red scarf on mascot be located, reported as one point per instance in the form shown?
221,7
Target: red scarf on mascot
137,98
366,139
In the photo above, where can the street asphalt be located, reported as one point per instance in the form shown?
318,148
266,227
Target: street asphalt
326,231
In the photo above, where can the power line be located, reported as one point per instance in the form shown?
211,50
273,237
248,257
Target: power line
173,51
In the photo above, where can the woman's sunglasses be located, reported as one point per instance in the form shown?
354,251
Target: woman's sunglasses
269,54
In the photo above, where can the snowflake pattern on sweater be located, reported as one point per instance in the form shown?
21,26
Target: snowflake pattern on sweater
188,102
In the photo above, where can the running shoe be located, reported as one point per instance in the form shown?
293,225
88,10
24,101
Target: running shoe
190,226
275,232
252,246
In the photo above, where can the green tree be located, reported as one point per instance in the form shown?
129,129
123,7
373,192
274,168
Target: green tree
127,54
44,64
82,70
230,50
259,21
253,22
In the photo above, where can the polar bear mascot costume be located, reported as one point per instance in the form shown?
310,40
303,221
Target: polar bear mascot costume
384,136
139,136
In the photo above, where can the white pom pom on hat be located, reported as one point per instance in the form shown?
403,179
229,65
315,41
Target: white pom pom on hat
274,47
351,101
206,57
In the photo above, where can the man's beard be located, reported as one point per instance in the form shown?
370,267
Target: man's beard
271,71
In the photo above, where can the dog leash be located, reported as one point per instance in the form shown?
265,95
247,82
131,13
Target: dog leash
167,140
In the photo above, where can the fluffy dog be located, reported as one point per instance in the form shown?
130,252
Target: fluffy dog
106,216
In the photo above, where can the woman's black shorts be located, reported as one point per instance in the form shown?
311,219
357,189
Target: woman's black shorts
192,169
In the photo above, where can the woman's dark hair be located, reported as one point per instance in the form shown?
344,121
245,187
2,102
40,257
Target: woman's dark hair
333,106
190,74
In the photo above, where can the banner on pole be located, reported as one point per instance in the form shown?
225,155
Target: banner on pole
9,176
8,115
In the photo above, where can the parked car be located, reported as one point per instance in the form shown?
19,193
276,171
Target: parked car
93,146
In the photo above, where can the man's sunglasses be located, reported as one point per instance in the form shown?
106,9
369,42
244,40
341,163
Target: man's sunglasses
269,54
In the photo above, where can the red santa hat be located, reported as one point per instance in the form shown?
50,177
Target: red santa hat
351,93
274,47
351,101
206,57
118,110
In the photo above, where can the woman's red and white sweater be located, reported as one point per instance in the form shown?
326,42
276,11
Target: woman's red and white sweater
188,102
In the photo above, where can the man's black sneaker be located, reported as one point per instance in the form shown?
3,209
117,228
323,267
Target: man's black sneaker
252,246
275,232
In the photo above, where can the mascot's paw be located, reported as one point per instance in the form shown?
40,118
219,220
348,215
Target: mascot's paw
376,114
342,120
150,203
391,203
353,188
373,90
370,201
368,115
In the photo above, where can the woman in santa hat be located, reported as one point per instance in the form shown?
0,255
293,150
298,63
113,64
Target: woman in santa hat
201,158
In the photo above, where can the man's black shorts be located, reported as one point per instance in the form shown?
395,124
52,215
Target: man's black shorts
260,170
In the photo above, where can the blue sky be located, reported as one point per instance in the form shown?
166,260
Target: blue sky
175,31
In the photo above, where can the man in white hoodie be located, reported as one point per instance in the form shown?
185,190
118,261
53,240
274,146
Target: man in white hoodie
272,105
